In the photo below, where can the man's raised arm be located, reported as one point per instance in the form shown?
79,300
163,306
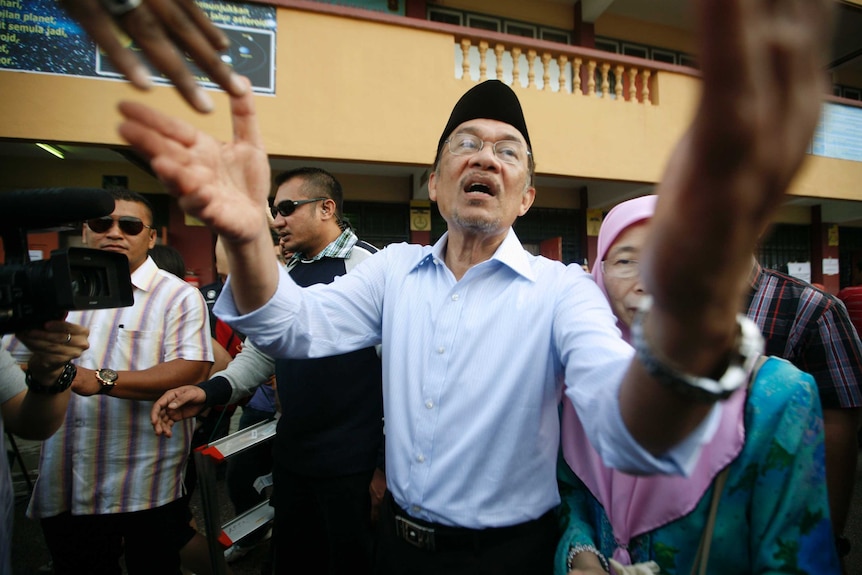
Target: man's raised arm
225,185
763,67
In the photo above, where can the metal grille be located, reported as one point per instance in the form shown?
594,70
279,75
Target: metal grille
785,243
379,224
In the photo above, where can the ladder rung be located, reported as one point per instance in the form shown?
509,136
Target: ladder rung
241,440
245,523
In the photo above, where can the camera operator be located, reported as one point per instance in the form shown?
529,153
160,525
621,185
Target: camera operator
32,404
104,473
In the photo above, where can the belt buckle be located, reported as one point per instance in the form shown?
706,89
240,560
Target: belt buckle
415,534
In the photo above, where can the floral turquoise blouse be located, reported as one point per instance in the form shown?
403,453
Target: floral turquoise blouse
773,516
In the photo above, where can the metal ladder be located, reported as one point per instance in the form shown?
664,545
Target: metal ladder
207,457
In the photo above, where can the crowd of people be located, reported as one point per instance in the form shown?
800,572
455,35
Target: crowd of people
538,418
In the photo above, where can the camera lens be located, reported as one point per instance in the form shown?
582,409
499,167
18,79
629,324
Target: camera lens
89,282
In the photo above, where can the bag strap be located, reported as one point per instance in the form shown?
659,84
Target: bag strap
701,558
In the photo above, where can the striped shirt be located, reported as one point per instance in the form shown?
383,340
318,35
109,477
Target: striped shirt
811,329
105,458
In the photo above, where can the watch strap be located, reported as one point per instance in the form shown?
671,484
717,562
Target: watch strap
64,382
748,348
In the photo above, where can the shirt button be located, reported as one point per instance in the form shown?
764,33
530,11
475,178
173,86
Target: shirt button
455,297
441,350
429,404
420,458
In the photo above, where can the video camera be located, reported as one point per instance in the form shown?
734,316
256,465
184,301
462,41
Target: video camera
32,293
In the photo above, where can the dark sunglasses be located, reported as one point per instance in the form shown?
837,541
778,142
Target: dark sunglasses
287,207
128,225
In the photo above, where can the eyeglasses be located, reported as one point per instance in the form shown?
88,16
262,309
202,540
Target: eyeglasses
508,151
287,207
622,269
129,225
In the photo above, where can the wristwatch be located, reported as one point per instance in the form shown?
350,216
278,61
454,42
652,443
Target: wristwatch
108,379
63,382
749,346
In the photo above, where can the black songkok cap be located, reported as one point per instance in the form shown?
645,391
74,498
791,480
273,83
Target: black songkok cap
492,100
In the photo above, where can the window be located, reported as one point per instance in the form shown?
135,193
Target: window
686,60
636,51
495,24
555,36
663,56
445,16
520,30
379,224
483,23
785,243
608,45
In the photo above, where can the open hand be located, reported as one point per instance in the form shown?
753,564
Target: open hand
175,405
165,30
225,185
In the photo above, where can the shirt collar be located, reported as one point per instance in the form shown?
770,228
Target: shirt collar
754,275
339,248
144,277
510,253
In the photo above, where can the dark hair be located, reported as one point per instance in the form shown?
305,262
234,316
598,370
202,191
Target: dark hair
316,182
130,196
169,259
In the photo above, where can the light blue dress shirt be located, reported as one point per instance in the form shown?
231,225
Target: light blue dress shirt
473,371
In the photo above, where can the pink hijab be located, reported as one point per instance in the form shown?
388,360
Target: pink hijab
637,504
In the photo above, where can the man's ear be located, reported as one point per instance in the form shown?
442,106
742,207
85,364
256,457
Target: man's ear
527,199
328,207
432,186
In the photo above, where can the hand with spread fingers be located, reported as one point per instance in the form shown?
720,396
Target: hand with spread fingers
165,30
223,184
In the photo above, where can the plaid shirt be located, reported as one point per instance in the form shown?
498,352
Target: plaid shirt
340,248
811,329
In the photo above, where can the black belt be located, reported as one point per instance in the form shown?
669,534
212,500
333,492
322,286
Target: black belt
435,537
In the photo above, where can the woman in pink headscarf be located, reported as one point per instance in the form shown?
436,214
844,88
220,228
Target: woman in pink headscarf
773,515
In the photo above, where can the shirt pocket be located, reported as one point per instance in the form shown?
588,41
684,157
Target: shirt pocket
137,349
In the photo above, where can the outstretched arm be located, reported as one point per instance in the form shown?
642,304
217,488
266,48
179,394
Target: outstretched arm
763,81
225,185
175,405
165,30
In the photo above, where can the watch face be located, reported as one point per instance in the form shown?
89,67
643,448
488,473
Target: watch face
107,376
